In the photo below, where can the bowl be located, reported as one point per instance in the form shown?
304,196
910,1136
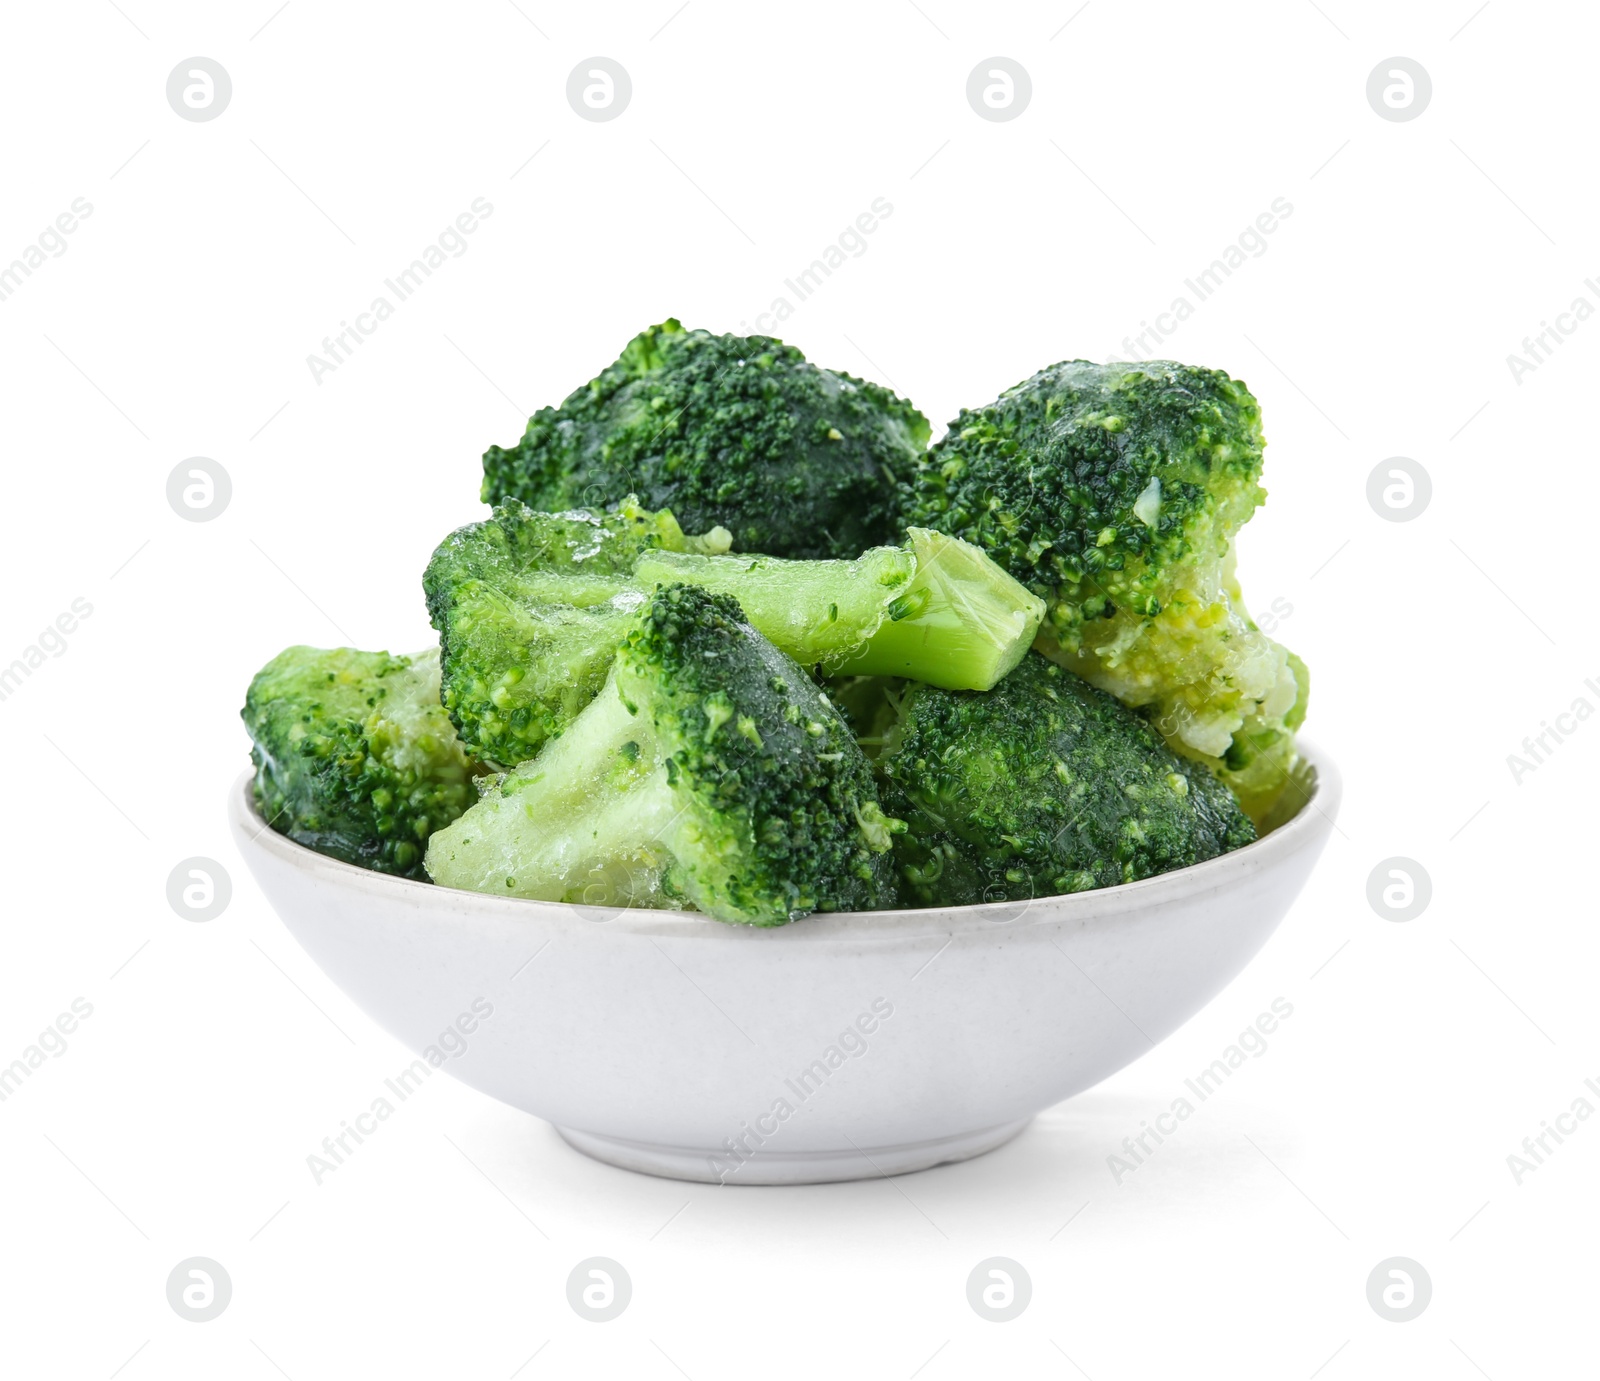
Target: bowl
841,1047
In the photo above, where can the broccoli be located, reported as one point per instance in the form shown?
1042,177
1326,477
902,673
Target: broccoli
736,431
1041,786
709,772
1114,492
354,756
531,606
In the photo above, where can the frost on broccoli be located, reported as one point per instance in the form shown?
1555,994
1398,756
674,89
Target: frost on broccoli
737,431
354,756
1115,492
709,772
530,608
1041,786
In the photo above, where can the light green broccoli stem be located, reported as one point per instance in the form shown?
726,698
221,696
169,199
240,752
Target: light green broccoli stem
937,610
584,822
961,624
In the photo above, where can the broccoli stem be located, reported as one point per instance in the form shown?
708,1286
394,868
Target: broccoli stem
937,610
589,757
962,623
597,802
609,852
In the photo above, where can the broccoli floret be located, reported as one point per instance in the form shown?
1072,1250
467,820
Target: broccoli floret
354,756
1115,491
1041,786
709,772
737,431
531,606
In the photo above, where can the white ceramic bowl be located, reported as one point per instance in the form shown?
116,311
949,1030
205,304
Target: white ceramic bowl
837,1048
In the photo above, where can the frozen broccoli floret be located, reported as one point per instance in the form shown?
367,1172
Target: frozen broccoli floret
737,431
1041,786
709,772
530,608
1115,492
354,756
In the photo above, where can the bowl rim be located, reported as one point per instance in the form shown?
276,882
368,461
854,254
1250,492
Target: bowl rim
1307,828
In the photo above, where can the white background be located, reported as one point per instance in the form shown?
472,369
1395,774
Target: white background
177,323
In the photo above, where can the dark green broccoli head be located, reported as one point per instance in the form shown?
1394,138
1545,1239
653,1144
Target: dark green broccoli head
709,771
1041,786
1115,492
530,607
737,431
354,755
1090,483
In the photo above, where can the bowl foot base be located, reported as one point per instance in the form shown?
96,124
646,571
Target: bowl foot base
770,1166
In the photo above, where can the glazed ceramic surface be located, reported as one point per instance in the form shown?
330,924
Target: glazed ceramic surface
839,1047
